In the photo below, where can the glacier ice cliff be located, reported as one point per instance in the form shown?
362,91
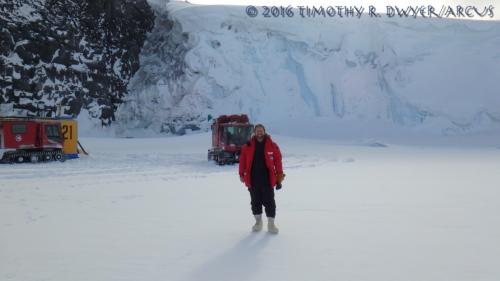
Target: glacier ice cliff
431,75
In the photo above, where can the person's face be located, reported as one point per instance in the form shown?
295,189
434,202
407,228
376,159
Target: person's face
260,133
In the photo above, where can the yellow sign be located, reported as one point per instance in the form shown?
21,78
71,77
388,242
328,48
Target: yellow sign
70,134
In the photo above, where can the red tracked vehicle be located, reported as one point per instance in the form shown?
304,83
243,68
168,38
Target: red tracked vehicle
25,139
229,134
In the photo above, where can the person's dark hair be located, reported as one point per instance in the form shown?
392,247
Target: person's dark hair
259,125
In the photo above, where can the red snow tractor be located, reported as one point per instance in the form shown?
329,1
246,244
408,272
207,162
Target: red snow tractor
24,139
229,134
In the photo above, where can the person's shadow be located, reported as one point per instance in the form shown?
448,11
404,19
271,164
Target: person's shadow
240,262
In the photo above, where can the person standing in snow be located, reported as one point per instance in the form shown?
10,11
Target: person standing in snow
261,170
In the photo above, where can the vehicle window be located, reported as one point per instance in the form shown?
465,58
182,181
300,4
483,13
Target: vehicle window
18,128
236,134
52,132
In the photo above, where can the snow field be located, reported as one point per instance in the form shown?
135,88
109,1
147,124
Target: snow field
155,209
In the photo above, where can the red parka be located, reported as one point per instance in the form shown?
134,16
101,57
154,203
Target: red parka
272,157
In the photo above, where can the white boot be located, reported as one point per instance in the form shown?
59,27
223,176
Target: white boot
258,223
271,228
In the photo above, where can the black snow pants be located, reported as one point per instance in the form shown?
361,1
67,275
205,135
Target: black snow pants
262,196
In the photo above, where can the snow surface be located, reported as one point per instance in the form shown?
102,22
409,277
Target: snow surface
155,209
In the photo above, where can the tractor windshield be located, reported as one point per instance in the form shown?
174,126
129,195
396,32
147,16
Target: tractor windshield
236,135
